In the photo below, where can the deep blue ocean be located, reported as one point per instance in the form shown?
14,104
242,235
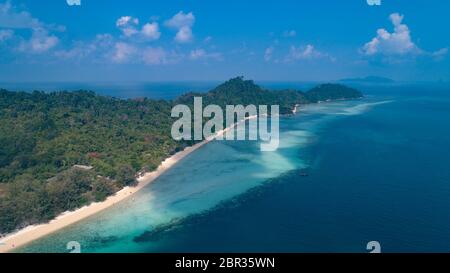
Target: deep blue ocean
377,170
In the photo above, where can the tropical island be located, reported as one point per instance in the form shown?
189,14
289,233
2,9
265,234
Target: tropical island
64,150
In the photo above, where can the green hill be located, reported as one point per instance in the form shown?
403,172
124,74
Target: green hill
327,92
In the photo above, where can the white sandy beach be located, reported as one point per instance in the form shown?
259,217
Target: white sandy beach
13,241
31,233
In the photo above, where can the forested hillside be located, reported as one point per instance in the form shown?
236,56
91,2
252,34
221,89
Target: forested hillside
238,91
50,141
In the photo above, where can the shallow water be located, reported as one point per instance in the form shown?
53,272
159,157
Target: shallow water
377,170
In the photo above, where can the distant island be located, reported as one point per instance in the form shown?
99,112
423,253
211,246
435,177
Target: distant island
369,79
64,150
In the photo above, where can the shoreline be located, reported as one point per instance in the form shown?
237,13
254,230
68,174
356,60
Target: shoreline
31,233
24,236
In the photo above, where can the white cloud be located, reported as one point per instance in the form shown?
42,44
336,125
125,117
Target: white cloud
126,21
201,54
439,54
103,40
93,49
106,49
393,45
40,42
289,33
180,20
79,51
6,34
155,56
128,25
268,53
123,52
183,23
11,18
184,35
151,31
398,42
197,54
304,53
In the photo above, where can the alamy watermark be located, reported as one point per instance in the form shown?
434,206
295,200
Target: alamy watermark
73,2
73,247
374,2
190,126
374,247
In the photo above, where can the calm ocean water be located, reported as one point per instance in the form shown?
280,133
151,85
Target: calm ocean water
154,90
123,90
378,171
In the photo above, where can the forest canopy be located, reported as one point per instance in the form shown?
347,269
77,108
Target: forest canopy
62,150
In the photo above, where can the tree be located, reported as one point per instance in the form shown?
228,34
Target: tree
126,175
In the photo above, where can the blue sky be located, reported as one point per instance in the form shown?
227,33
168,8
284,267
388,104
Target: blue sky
135,40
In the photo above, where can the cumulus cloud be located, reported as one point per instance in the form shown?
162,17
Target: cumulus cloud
160,56
294,54
151,31
94,50
439,54
11,18
126,21
184,35
40,41
107,49
180,20
123,52
183,23
127,47
201,54
308,52
128,25
398,42
268,53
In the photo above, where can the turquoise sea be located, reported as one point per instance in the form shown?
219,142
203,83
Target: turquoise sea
377,170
